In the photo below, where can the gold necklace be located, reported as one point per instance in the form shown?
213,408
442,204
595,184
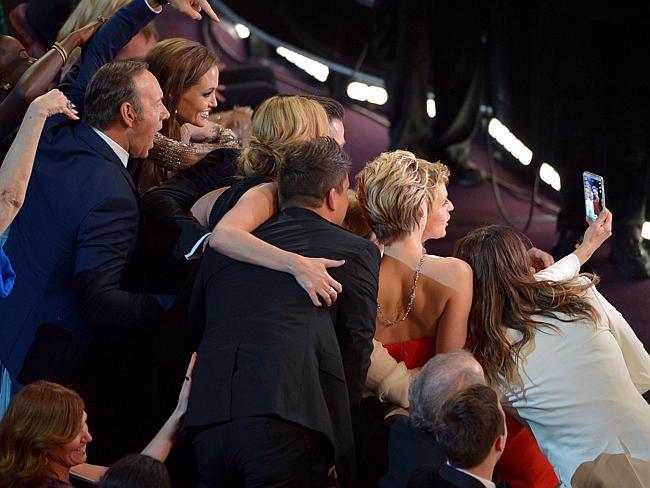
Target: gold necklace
389,323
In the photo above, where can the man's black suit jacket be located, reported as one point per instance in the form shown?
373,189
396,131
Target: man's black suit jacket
409,448
267,350
445,477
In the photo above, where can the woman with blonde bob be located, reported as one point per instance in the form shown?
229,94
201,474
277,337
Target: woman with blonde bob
234,212
423,300
563,357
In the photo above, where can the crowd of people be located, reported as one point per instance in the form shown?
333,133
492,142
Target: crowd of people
331,349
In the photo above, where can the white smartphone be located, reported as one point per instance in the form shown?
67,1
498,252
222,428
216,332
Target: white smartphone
594,190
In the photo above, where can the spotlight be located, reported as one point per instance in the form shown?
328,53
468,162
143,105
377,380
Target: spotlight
508,140
314,68
242,31
367,93
431,106
548,175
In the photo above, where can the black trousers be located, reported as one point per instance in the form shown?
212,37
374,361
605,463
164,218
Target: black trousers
432,45
263,451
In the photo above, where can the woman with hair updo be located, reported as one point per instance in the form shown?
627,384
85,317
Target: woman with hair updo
564,359
234,212
188,74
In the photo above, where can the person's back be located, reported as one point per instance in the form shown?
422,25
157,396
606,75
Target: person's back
268,351
563,357
591,402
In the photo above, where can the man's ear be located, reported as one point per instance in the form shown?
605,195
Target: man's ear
128,114
500,443
331,201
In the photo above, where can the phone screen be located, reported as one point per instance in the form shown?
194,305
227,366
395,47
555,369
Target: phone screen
594,189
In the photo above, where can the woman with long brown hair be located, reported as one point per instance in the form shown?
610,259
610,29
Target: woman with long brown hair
188,74
564,358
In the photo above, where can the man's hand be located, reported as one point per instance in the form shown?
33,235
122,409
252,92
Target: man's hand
539,259
192,8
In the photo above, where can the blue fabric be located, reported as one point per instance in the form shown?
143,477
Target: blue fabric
5,390
7,275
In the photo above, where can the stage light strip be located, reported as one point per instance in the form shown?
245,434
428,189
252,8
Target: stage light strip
509,141
549,176
367,93
318,70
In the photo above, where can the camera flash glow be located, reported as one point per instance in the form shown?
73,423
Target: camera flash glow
510,142
645,230
242,31
548,175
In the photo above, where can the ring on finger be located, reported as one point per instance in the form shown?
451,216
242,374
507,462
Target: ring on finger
331,291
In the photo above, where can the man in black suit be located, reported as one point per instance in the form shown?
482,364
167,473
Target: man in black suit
278,380
411,442
471,430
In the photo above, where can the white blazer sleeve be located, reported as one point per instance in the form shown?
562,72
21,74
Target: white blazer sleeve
388,379
636,357
565,268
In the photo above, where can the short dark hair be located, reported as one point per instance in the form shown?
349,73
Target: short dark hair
468,424
310,169
333,108
108,89
136,471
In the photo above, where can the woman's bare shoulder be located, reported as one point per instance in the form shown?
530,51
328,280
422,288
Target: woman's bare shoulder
449,271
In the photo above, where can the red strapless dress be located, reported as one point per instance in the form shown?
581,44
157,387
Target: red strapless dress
522,464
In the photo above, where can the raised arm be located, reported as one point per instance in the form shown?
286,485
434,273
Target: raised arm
19,161
162,443
38,79
118,31
232,237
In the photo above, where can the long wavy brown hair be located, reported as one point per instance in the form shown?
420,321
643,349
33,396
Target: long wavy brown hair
507,296
41,416
178,64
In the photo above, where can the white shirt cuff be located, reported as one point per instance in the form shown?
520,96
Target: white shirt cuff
152,9
194,252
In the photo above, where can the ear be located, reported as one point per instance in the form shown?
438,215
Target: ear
128,114
331,200
500,443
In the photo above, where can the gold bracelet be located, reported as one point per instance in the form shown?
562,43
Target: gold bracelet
61,50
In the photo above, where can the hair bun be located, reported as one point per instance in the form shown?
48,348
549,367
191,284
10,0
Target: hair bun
259,159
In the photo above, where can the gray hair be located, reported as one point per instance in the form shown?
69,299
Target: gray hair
440,378
110,87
